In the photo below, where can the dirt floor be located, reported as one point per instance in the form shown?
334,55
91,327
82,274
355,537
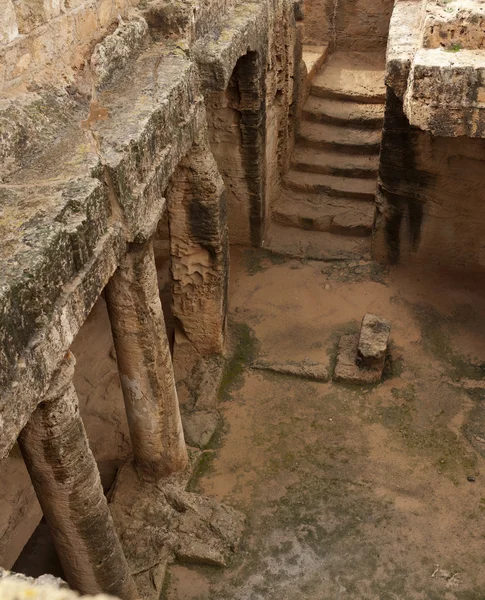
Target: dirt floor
350,492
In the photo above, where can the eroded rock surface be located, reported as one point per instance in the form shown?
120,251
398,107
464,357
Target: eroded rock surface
161,521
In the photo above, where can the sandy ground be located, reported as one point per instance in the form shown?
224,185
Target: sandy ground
350,492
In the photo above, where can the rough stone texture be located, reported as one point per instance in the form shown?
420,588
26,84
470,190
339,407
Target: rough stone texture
346,368
67,483
88,146
307,369
421,215
359,25
145,365
373,340
56,41
199,250
50,580
162,521
15,587
233,82
8,25
114,51
429,159
199,427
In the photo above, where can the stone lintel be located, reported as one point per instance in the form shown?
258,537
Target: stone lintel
244,29
43,353
147,134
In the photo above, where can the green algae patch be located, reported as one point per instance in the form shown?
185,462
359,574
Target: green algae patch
244,350
258,260
436,330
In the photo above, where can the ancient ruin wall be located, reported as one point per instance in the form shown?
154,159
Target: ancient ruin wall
102,103
360,25
430,192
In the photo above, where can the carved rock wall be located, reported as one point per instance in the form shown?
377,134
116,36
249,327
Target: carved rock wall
358,25
430,192
101,102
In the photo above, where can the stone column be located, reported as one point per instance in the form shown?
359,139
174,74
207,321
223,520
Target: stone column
145,365
67,483
199,249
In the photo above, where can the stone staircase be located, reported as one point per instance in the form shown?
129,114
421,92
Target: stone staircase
326,210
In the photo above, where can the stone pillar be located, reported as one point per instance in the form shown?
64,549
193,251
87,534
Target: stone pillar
67,483
145,365
199,250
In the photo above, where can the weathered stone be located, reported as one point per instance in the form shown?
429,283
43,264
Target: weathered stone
348,371
373,340
162,521
145,365
8,25
17,587
203,383
199,427
199,249
112,54
50,580
67,483
306,369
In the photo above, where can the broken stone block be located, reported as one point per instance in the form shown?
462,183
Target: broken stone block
348,371
306,369
373,341
157,522
199,427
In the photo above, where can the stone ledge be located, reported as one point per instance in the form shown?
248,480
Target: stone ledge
244,29
46,349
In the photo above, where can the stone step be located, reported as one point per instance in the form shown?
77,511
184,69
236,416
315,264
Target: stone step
340,112
313,57
335,215
341,187
316,245
353,76
342,139
314,160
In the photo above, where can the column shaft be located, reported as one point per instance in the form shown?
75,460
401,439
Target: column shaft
67,483
145,365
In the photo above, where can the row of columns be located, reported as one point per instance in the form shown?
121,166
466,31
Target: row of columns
54,443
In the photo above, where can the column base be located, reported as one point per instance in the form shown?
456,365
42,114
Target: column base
159,523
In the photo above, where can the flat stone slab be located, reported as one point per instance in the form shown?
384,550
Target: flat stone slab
306,369
346,369
374,340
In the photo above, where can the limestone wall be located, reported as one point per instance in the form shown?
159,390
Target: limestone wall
358,25
48,41
101,105
430,198
430,195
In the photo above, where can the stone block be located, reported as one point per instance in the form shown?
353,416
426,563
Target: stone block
8,22
374,340
306,369
348,371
